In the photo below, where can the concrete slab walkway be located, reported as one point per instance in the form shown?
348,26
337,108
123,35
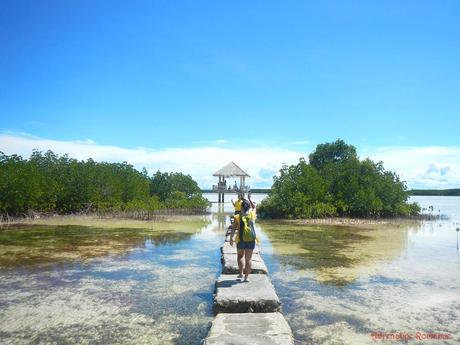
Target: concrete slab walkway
230,264
250,328
256,296
247,312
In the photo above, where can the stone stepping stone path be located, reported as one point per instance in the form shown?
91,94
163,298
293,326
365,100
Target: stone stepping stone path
247,312
255,296
250,328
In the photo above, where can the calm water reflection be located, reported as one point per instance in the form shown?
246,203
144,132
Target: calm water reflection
69,285
337,255
153,284
339,284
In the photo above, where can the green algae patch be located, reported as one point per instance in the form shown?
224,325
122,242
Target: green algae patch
163,222
158,293
83,238
337,254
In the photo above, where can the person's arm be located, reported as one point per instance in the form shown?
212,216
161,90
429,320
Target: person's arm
234,228
250,201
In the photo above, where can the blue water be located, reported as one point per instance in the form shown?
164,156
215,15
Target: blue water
145,288
155,292
401,278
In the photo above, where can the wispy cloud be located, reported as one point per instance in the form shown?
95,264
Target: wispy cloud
420,167
213,142
300,142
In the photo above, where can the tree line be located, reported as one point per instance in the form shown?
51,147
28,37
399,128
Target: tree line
49,183
435,192
335,182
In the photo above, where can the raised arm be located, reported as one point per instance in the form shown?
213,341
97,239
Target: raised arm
250,201
234,228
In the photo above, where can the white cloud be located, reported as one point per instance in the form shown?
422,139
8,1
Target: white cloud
420,167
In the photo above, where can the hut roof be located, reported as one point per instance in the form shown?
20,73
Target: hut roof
231,170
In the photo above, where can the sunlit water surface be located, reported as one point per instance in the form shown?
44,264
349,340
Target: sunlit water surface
338,285
87,285
153,283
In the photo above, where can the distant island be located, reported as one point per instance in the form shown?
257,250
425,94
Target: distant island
435,192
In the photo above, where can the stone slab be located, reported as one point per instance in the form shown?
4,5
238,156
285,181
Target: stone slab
250,328
230,264
226,248
235,296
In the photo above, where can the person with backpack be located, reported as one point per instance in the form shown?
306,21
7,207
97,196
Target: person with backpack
246,236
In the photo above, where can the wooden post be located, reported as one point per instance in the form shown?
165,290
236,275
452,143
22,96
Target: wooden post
219,194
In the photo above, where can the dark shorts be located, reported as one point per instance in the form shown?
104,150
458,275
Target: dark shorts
246,245
237,212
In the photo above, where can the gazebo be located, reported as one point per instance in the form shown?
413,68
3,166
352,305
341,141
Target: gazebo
230,170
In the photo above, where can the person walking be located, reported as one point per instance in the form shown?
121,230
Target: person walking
246,236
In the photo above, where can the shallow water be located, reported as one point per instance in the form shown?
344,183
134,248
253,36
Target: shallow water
87,285
338,285
152,283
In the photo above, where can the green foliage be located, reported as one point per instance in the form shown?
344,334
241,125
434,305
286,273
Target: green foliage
336,183
332,153
163,184
49,183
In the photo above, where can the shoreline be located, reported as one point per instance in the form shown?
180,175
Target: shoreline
350,221
102,221
108,220
139,215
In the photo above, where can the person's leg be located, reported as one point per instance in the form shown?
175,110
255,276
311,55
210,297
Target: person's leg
248,264
240,262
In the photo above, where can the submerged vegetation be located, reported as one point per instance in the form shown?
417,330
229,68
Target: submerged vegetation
107,282
337,254
336,182
84,237
48,183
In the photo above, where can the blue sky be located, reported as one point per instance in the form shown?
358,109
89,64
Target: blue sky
279,76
